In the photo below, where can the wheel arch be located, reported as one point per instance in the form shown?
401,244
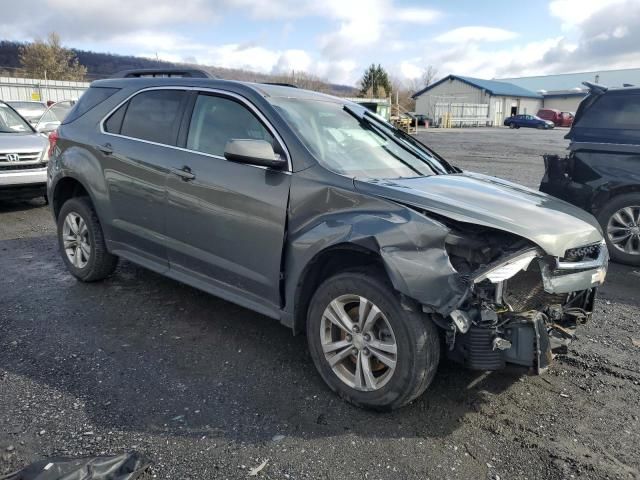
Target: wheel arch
606,194
65,188
326,263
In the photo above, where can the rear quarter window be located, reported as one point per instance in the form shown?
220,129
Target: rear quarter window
89,99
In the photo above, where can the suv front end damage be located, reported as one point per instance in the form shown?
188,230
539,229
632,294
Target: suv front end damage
524,306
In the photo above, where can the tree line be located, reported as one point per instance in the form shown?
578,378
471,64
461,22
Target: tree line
48,59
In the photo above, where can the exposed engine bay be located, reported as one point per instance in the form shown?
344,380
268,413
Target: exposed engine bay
523,305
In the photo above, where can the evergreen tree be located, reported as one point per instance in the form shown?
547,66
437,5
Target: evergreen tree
374,81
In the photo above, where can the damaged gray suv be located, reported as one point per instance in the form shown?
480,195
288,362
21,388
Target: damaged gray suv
313,211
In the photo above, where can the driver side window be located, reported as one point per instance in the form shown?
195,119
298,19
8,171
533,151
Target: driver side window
216,120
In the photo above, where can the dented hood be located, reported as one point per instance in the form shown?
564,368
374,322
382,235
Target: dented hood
552,224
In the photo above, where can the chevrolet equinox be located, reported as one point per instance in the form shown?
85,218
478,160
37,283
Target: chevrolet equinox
312,210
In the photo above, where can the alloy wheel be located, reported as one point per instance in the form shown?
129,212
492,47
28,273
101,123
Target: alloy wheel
75,237
358,342
623,230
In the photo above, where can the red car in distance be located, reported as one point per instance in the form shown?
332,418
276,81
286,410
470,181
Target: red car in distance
559,119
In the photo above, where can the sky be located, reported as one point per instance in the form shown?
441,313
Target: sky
337,39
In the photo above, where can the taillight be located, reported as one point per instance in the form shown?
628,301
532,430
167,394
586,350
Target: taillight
53,139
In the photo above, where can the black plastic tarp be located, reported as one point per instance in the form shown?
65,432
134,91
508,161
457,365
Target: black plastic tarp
127,466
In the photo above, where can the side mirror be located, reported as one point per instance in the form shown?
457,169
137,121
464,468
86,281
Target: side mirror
254,152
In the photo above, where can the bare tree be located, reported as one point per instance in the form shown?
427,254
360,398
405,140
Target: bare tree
429,75
50,60
402,91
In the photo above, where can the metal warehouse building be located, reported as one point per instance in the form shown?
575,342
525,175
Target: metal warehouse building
465,101
474,101
565,91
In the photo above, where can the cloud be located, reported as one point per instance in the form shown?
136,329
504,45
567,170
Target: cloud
574,12
88,20
476,34
152,28
415,15
600,34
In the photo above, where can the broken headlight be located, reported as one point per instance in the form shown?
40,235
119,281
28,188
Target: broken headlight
507,268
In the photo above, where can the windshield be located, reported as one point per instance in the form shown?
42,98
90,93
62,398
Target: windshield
352,142
11,122
57,112
30,111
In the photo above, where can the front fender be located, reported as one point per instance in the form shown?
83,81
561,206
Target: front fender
410,245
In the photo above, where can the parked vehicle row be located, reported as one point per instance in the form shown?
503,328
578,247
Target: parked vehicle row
313,211
24,148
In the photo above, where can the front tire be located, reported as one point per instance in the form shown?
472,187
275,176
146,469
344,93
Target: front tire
620,221
82,243
368,348
512,125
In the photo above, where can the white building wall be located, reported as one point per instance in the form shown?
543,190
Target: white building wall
530,105
450,91
455,91
43,90
564,104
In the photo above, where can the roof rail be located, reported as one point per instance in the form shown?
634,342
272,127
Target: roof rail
163,72
280,84
595,88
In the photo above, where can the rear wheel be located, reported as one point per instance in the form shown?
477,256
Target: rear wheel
620,221
82,243
366,346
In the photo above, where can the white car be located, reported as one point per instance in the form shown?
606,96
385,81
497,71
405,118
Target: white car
24,154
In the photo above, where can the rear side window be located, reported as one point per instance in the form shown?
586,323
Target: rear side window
114,122
89,99
151,116
613,112
216,120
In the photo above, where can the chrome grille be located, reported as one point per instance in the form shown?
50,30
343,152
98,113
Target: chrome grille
588,252
14,157
10,161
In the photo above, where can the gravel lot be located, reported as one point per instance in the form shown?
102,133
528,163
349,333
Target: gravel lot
207,389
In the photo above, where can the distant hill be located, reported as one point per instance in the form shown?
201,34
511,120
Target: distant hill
101,65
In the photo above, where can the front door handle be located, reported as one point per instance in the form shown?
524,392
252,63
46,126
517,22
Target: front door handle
107,149
184,173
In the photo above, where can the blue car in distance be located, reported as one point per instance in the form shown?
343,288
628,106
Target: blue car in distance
530,121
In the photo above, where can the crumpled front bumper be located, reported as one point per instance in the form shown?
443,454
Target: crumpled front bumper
567,277
525,308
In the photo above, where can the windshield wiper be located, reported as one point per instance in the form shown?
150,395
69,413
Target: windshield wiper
388,129
384,135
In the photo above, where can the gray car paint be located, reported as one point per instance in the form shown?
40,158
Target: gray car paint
325,210
550,223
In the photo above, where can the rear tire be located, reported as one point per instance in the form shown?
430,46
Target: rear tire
82,243
614,227
414,336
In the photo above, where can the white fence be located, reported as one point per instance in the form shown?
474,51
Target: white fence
41,90
462,114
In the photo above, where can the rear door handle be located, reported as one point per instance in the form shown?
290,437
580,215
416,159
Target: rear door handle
184,173
107,149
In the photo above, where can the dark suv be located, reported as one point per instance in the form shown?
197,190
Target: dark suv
313,211
602,171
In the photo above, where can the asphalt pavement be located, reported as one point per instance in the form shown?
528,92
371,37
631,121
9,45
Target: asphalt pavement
206,389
